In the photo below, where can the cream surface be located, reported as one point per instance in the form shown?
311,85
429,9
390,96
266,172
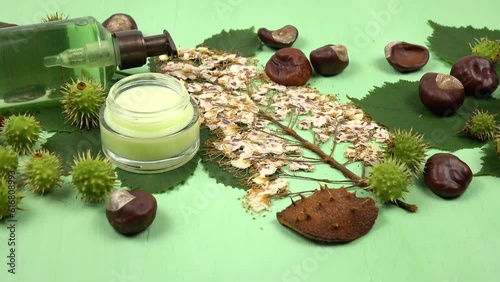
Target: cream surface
148,98
154,111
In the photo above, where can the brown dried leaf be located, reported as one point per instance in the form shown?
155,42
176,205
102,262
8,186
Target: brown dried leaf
330,215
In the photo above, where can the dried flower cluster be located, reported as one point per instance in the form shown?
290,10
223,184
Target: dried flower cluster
234,96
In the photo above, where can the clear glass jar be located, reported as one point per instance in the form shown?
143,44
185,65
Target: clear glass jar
149,124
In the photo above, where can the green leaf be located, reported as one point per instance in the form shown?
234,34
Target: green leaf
243,41
398,106
160,182
154,63
52,119
67,145
216,169
491,162
2,23
452,43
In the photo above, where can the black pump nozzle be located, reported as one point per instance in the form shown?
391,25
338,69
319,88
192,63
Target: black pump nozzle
135,48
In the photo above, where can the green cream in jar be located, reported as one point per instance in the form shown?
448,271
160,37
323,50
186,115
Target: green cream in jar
149,124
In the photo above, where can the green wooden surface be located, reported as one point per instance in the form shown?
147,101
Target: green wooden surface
202,233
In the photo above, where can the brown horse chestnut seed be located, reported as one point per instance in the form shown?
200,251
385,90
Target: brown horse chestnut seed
447,175
442,94
131,212
406,57
477,74
289,66
119,22
7,25
330,59
280,38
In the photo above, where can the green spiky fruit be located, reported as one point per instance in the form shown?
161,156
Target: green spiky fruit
55,17
9,200
93,178
81,102
42,172
389,180
489,49
21,132
496,143
481,126
8,160
409,148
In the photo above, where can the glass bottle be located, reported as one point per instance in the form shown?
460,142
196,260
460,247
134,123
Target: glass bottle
36,60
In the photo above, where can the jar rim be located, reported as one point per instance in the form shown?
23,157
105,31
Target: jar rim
150,79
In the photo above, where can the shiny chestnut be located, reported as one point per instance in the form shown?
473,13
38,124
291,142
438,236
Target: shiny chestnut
119,22
289,66
406,57
446,175
131,212
330,59
442,94
477,75
280,38
7,25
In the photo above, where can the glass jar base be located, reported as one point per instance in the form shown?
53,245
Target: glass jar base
152,167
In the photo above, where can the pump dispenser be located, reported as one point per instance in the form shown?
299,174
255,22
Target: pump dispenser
36,60
133,50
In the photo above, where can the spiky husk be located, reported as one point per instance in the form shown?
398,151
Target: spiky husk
9,160
55,17
409,148
42,172
481,126
489,49
81,102
8,201
93,178
389,180
21,132
496,143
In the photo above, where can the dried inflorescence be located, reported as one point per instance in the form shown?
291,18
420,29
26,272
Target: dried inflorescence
235,97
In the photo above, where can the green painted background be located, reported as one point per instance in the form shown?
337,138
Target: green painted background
202,233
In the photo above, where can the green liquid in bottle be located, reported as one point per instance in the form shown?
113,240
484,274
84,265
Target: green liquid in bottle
24,77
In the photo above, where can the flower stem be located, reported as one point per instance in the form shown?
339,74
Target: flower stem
357,180
405,206
315,149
